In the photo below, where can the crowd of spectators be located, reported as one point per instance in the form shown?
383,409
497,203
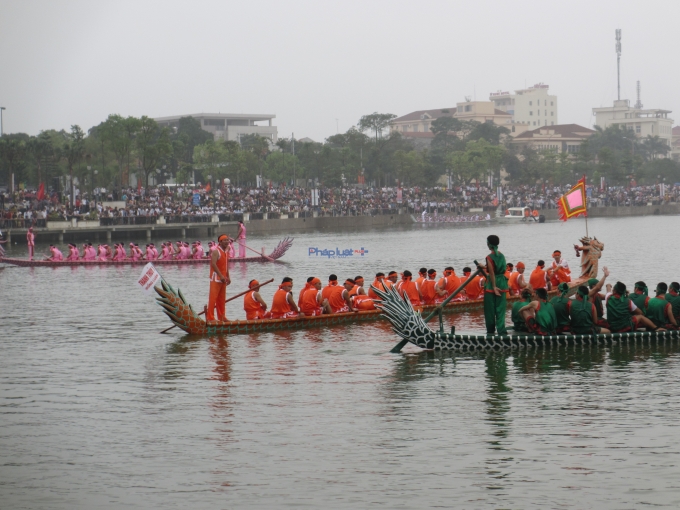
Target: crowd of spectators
179,204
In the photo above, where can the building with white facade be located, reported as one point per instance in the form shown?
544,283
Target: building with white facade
560,138
533,106
229,126
643,122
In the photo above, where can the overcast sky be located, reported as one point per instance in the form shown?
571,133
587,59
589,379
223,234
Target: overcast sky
312,62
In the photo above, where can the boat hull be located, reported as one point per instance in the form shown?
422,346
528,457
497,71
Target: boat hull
182,315
276,254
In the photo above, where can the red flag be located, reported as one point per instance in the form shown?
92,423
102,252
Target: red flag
573,202
207,188
41,192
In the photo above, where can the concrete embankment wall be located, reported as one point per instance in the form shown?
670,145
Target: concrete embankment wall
621,212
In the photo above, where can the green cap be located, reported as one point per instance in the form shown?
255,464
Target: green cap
592,282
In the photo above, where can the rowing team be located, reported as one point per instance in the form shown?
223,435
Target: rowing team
584,315
351,296
104,253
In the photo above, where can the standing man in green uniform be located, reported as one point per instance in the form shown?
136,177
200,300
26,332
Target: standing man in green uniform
517,318
673,297
560,303
659,310
495,289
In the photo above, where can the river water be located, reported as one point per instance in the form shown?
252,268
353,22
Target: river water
97,410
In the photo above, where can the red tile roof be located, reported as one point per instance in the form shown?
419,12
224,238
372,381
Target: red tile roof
416,134
560,130
434,114
676,131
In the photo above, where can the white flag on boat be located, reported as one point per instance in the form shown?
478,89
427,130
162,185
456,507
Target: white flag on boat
149,278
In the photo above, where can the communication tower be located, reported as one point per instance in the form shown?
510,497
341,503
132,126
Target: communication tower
618,62
638,104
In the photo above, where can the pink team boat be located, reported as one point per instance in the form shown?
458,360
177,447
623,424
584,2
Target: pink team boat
276,254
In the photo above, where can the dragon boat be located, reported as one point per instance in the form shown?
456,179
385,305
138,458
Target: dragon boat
410,326
276,254
183,316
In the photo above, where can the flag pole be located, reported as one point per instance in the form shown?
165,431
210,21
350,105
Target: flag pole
585,202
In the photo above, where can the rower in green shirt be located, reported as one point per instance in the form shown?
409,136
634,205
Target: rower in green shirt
540,315
673,297
560,303
623,315
640,296
583,315
660,311
517,318
495,289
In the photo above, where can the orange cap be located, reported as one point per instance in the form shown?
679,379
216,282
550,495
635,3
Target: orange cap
520,265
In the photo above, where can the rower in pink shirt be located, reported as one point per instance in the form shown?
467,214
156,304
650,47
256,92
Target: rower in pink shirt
149,252
198,250
90,253
232,251
57,256
155,251
165,252
73,254
120,252
135,253
101,249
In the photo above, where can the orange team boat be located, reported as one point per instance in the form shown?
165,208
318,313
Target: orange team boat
183,316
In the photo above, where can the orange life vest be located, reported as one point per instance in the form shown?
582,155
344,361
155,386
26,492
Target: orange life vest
363,302
328,290
253,308
280,304
309,301
378,284
420,280
537,279
354,291
513,282
474,289
409,289
428,292
335,298
221,265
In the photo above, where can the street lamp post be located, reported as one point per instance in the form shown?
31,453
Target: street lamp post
1,109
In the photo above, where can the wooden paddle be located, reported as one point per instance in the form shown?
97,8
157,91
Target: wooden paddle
255,251
230,299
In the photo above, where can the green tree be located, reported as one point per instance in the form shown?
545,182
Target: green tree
42,150
376,122
73,150
153,146
13,152
211,158
410,167
120,133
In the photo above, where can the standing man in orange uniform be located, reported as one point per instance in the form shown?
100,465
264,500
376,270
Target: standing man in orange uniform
219,279
30,238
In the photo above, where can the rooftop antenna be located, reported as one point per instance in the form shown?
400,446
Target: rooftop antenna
618,62
638,104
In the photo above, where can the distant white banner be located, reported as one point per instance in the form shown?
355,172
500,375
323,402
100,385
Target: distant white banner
148,279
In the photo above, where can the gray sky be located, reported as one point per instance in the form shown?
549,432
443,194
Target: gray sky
312,62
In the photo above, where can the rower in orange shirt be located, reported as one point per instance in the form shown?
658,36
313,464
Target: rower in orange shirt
283,305
378,283
508,269
447,285
422,276
474,289
304,289
219,279
539,276
338,296
358,296
516,280
408,289
428,289
392,277
312,303
560,268
253,303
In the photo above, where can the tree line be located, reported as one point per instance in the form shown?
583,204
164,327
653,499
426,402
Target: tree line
464,151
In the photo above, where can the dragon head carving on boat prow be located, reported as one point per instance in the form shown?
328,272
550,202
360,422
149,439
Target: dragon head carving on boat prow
180,312
281,248
406,322
591,250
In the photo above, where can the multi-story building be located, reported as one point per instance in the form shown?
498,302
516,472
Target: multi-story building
228,126
643,122
416,125
560,138
675,143
533,106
